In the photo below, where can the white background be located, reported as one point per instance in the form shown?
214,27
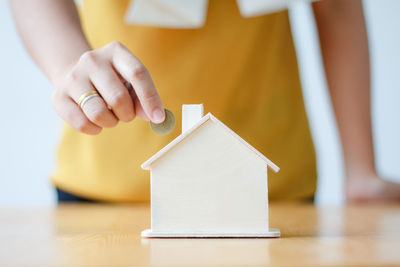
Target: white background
30,128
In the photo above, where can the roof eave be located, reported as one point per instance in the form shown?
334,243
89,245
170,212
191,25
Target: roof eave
147,164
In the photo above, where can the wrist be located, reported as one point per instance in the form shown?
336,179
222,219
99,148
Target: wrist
359,170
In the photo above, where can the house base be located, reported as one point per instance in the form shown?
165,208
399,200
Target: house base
271,233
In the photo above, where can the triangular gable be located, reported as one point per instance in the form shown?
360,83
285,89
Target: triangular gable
146,165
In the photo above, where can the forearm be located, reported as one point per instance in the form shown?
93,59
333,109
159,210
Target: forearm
344,47
51,32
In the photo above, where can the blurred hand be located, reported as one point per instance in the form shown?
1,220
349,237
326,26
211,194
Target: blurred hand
368,187
125,87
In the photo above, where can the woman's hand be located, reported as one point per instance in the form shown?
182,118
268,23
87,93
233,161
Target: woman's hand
53,36
368,186
124,86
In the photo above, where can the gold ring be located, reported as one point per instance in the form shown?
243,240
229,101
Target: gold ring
85,97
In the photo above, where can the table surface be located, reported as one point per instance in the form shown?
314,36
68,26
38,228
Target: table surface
109,235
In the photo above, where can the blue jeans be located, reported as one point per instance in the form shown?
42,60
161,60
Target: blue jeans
63,196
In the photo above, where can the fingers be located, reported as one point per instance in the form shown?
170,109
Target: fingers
95,108
132,70
125,89
114,92
138,107
70,112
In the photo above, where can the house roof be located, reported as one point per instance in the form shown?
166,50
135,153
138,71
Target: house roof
146,165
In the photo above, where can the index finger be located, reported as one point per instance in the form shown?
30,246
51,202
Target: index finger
132,70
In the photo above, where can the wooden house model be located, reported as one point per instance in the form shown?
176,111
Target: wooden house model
208,182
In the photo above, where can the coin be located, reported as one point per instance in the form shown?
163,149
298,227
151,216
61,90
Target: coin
166,126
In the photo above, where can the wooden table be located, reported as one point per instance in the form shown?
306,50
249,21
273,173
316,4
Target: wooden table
109,235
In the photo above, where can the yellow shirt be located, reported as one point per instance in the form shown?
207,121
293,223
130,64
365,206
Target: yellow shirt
243,70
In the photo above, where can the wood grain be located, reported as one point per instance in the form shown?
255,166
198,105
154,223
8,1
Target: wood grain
109,235
209,183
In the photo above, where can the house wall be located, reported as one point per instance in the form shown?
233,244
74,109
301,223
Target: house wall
209,182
